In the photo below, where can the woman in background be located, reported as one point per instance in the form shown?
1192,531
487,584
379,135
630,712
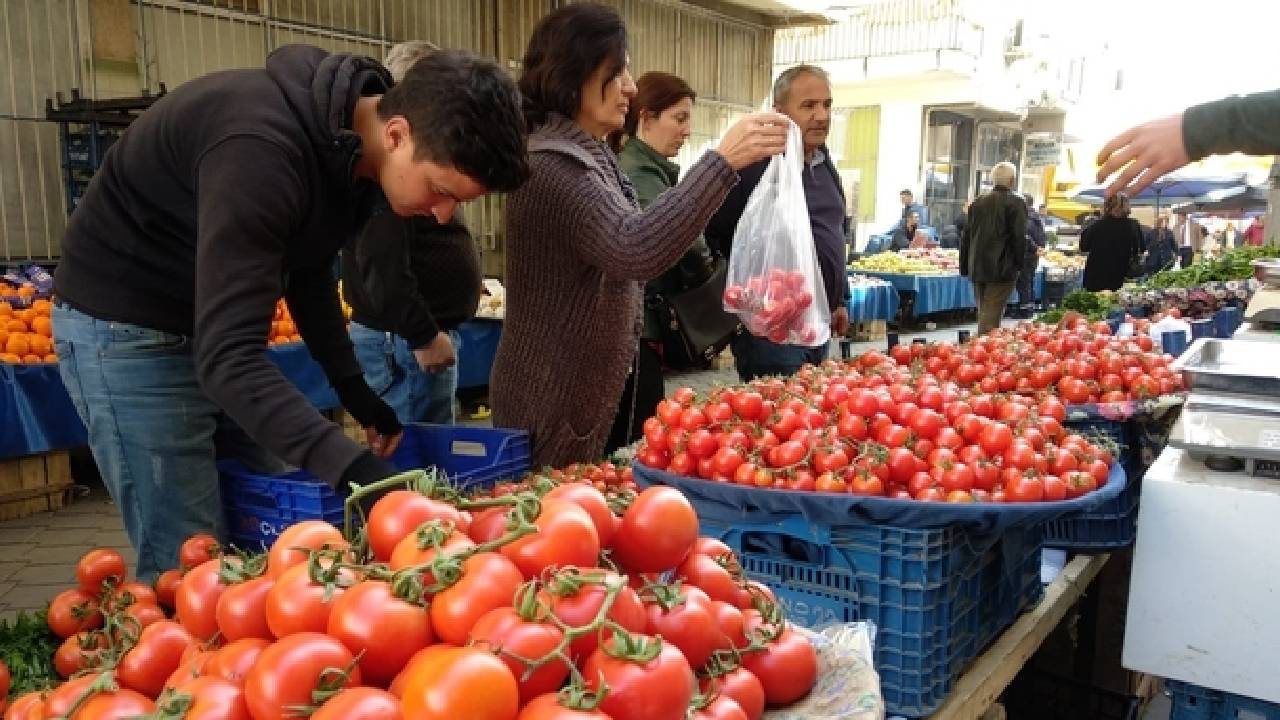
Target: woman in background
1113,242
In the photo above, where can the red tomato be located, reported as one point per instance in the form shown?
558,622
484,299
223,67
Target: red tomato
461,683
60,700
743,687
98,566
690,625
211,698
489,580
711,576
996,438
233,661
29,706
167,587
292,547
1025,488
399,513
594,502
73,611
75,654
578,608
382,629
198,550
548,707
420,546
362,703
121,703
295,603
730,619
241,611
566,536
193,664
660,689
157,654
513,638
657,532
197,599
1054,488
721,708
290,670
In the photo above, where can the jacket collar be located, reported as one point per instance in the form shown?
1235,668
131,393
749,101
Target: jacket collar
648,154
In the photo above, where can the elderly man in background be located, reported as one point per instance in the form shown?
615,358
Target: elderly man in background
993,245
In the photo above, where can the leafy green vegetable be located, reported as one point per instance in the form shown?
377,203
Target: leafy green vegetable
27,647
1235,264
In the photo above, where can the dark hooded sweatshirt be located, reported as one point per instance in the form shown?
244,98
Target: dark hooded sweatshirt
229,192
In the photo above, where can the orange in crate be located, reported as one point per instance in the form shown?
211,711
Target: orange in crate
15,326
41,325
17,344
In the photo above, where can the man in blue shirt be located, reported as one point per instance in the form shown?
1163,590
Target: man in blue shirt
802,93
909,205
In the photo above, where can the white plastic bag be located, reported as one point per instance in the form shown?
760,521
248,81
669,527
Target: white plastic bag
773,283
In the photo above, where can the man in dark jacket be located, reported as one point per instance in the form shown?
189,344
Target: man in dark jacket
993,245
802,93
229,192
410,283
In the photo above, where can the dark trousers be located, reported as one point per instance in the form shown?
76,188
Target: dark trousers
1027,287
758,357
1186,254
640,397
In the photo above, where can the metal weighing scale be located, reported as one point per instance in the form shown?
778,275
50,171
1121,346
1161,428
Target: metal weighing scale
1231,419
1263,311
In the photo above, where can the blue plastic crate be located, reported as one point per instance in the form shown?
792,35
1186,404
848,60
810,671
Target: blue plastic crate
937,597
256,504
1192,702
1113,524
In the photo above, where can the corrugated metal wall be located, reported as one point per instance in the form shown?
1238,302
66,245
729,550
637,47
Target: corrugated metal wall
50,46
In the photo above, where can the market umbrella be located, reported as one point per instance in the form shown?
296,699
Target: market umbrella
1245,199
1171,189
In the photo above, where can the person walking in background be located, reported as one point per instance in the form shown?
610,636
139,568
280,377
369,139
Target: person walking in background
1114,244
658,124
1162,249
579,248
1030,260
410,283
993,244
1256,234
802,93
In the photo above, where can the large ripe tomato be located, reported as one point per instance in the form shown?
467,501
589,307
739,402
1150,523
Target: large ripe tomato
566,537
166,587
384,630
28,706
242,610
594,502
121,703
512,637
690,625
548,707
233,661
721,708
75,654
290,670
419,659
73,611
708,574
730,619
362,703
745,689
1025,488
212,698
489,580
578,609
131,592
419,547
489,524
657,532
295,603
787,668
197,599
660,689
292,547
60,700
157,654
198,550
461,683
98,566
400,512
191,667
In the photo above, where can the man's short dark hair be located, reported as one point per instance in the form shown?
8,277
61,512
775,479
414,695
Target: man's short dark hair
566,47
465,112
907,192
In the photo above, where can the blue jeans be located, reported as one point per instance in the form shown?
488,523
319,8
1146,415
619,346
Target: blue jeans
758,357
392,371
155,435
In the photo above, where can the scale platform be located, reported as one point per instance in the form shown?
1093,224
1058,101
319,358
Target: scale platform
1264,307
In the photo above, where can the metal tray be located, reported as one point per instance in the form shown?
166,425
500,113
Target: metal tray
1203,433
1230,366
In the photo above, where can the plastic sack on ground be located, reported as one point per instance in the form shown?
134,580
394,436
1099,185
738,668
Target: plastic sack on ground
773,282
848,687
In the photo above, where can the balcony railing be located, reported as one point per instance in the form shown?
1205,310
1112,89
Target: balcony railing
884,29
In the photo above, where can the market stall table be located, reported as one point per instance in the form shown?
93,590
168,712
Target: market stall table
38,416
872,302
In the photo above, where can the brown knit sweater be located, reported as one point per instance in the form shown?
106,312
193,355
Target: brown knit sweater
578,252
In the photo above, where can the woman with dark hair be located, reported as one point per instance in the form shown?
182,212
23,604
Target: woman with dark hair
657,125
1113,242
579,248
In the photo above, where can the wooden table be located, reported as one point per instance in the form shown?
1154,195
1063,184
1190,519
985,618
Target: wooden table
982,683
